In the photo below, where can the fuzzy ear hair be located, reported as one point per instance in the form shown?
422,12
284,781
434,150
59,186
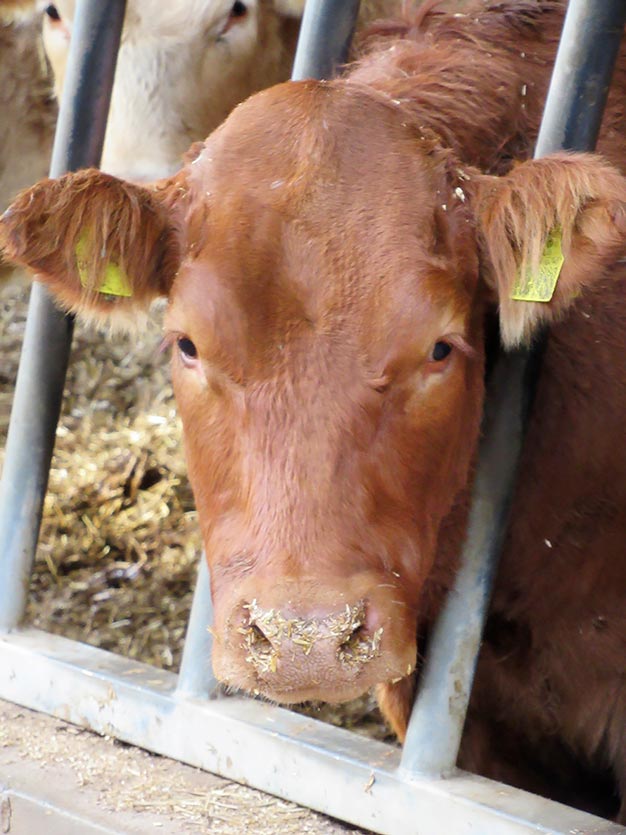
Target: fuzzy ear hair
567,207
290,8
105,248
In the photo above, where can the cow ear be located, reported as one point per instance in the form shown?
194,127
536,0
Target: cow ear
549,229
105,248
290,8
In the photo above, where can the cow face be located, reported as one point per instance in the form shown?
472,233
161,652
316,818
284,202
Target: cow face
320,370
321,258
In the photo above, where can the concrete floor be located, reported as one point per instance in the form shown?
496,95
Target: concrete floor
57,779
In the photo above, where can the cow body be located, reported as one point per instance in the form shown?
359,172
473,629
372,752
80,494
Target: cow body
26,103
332,257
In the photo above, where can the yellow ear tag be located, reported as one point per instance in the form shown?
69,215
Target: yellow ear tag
114,282
540,286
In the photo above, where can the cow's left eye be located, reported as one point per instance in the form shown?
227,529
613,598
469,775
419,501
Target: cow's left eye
238,12
440,351
188,350
239,9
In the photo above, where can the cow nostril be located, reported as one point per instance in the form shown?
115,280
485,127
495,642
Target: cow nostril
360,646
267,633
260,652
258,636
352,641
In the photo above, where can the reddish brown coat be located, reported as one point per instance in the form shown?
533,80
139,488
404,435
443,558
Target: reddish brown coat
317,253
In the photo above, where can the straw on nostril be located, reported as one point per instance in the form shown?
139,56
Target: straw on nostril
345,636
356,644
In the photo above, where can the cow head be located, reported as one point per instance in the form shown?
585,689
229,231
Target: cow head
181,69
327,268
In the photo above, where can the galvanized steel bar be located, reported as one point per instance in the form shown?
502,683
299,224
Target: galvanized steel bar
294,757
196,675
580,83
582,74
436,725
325,37
47,339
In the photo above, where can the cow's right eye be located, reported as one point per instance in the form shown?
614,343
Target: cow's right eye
52,12
440,351
187,348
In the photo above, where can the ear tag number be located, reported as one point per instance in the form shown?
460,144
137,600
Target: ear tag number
540,286
114,282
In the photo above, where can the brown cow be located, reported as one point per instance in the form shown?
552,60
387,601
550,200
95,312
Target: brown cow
331,257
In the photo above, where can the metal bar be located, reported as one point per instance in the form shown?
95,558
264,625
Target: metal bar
436,725
47,339
325,37
578,89
580,83
196,676
300,759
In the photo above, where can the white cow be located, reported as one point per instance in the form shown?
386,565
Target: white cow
182,67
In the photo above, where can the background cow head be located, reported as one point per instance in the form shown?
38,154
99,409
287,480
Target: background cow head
181,69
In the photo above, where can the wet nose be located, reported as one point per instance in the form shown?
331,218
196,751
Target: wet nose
274,640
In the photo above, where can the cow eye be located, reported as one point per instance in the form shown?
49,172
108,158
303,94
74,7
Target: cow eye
440,351
52,12
239,9
188,350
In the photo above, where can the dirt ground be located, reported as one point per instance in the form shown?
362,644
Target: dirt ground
134,791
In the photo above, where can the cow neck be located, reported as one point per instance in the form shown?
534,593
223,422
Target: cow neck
440,69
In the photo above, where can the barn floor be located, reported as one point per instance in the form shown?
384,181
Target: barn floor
62,780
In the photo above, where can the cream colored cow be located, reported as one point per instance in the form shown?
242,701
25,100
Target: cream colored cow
182,67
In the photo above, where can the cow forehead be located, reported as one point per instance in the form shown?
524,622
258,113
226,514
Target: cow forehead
339,143
318,205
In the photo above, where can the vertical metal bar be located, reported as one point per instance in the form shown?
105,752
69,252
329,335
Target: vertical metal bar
325,37
580,83
196,676
436,724
47,339
582,74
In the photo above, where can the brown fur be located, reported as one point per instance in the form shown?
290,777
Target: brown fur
122,223
330,236
586,198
